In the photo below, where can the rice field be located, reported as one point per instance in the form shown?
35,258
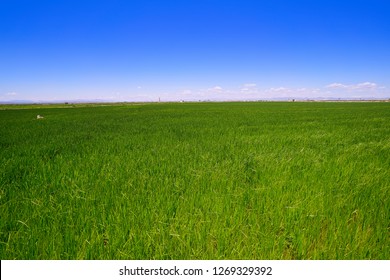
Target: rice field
259,180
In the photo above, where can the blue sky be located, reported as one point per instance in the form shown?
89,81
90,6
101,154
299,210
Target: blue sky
194,50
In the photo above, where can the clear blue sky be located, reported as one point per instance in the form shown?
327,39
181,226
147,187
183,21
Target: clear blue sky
196,49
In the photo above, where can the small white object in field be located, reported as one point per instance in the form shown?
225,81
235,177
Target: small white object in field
39,117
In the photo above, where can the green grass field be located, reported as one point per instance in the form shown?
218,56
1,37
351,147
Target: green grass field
196,181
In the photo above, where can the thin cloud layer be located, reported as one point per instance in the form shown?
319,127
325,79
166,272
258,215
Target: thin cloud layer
249,89
8,96
250,85
360,86
216,89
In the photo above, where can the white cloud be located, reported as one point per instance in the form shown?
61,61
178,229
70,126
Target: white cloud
360,86
280,90
249,89
249,85
292,92
11,94
216,89
187,92
337,86
366,85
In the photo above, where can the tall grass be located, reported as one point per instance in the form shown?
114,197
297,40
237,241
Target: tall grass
196,181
